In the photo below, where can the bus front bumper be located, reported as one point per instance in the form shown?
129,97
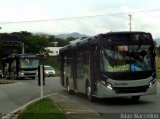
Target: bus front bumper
32,74
106,92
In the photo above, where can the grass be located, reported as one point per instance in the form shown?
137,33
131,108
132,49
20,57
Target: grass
158,73
158,67
43,109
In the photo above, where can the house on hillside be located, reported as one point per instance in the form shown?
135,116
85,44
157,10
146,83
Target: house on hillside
54,51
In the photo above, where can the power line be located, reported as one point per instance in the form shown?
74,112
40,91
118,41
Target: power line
79,17
58,19
143,11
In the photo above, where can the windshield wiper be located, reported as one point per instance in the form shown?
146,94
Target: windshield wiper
109,59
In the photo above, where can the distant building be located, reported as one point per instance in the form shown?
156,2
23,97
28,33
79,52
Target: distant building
54,51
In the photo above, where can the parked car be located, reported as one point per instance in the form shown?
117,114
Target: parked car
49,71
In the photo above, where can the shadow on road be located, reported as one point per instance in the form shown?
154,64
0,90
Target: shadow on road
122,101
110,101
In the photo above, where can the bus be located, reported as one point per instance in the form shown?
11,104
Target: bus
20,66
114,64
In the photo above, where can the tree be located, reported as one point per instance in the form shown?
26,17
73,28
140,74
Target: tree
52,39
33,43
36,44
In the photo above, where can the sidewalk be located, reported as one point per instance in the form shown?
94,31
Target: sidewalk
73,109
5,81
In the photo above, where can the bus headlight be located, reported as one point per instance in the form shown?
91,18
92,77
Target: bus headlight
151,83
107,84
21,73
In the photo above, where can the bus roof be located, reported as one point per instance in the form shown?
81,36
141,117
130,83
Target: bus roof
19,55
91,40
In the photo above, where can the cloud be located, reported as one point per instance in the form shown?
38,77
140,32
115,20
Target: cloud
24,10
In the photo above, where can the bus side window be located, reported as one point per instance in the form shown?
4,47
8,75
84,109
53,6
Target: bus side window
80,71
67,61
86,58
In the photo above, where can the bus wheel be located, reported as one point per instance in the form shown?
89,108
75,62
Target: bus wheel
7,77
135,98
69,90
88,92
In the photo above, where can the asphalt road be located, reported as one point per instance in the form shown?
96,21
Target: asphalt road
147,104
13,96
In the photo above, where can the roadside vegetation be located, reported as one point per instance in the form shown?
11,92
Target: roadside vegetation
43,109
158,68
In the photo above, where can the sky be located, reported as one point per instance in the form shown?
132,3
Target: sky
89,17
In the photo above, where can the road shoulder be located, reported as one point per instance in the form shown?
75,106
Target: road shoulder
73,109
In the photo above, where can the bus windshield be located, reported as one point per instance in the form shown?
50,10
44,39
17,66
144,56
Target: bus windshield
126,58
29,63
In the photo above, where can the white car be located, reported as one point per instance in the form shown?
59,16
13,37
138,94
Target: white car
49,71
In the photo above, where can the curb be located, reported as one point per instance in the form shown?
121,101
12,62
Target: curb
2,81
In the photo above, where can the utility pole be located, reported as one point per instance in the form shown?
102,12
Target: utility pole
130,22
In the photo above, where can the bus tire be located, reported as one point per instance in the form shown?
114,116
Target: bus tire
88,92
135,98
69,90
7,77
